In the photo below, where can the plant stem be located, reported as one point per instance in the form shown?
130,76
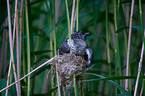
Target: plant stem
72,16
59,94
141,92
51,44
141,19
11,44
116,41
28,48
128,49
75,85
77,24
119,67
117,53
68,21
54,33
20,35
48,61
107,40
18,52
139,70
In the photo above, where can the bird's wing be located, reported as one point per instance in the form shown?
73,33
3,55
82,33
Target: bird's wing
64,48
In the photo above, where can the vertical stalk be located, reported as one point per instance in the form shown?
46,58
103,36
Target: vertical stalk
28,48
141,92
119,67
51,44
116,41
107,40
11,45
24,58
9,71
139,70
141,19
75,85
20,35
128,49
72,16
58,84
54,34
117,54
77,24
18,52
23,43
68,21
8,77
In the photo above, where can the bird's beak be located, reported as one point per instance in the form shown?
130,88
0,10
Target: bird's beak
86,34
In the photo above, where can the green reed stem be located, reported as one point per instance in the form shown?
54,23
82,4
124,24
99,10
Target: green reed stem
119,61
117,53
77,20
75,85
116,41
53,1
51,43
53,8
107,40
141,19
68,21
28,48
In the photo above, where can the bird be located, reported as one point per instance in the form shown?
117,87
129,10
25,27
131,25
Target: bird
78,46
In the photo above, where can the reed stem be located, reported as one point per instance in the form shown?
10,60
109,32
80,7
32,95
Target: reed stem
128,49
28,48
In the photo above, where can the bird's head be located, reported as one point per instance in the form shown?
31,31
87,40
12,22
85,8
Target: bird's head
79,35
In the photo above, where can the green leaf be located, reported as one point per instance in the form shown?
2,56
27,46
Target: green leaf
110,81
115,78
139,28
121,29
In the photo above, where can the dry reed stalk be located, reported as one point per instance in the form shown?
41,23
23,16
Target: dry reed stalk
11,44
28,74
128,49
72,16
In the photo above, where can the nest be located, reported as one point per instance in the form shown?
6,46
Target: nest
68,65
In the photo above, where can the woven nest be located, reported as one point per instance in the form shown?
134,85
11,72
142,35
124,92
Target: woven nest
68,65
